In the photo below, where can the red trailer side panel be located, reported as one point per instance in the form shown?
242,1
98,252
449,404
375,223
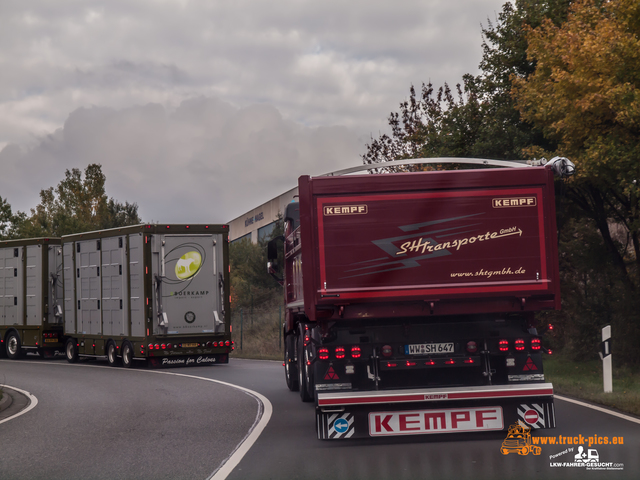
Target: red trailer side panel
431,236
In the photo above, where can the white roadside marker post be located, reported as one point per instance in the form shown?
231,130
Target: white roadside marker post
605,355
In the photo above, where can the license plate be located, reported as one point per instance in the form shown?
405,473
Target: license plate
50,340
189,345
428,348
446,420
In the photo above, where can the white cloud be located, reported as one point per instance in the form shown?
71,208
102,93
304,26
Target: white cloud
235,98
207,161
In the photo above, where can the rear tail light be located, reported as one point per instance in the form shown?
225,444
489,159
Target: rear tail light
150,346
410,364
355,351
469,360
519,344
169,346
164,346
323,354
389,364
387,351
227,343
209,344
340,353
429,362
215,344
503,345
157,347
535,344
451,361
472,347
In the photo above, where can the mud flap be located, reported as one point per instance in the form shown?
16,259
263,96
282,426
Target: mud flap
537,415
335,426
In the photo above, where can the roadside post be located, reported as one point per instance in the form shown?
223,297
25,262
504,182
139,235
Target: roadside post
605,355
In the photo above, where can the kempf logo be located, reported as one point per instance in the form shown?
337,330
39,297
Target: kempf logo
188,265
346,210
514,202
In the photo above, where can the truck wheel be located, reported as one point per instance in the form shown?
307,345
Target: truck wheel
303,371
112,356
127,354
290,366
71,351
14,346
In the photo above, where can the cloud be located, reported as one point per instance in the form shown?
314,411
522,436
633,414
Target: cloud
199,106
205,161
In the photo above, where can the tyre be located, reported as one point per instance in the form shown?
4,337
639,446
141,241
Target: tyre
14,346
306,392
290,365
127,354
112,355
71,351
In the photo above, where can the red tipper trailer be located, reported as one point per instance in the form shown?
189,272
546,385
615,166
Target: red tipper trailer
416,313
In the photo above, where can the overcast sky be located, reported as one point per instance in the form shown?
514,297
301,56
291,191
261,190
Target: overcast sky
200,110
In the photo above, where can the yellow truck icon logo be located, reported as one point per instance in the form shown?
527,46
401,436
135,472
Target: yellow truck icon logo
519,441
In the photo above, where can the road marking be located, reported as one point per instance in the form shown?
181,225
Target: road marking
600,409
262,419
33,401
265,410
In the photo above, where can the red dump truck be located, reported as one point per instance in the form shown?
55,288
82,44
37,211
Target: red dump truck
410,299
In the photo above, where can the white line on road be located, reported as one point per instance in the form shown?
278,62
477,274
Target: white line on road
265,409
33,401
600,409
262,419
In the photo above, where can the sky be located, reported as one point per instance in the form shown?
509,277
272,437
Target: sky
199,111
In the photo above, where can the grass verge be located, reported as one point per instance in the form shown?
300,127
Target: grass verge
583,380
257,333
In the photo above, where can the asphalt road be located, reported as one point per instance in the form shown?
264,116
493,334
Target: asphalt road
113,423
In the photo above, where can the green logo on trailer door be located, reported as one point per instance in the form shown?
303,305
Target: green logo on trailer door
188,265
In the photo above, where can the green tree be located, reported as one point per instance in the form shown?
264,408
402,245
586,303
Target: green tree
250,283
77,204
6,219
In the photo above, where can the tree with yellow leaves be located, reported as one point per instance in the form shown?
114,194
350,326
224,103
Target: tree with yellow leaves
585,95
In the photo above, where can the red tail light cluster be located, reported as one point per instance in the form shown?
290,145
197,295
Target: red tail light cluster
50,335
520,345
340,352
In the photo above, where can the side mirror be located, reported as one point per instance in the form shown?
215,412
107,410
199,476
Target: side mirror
272,256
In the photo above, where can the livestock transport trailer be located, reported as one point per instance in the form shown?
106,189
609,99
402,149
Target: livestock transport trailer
148,292
30,297
410,299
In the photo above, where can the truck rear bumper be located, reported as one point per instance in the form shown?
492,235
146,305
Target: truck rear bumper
428,411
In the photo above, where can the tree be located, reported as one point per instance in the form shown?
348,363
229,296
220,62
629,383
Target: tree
6,218
585,95
76,205
250,282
